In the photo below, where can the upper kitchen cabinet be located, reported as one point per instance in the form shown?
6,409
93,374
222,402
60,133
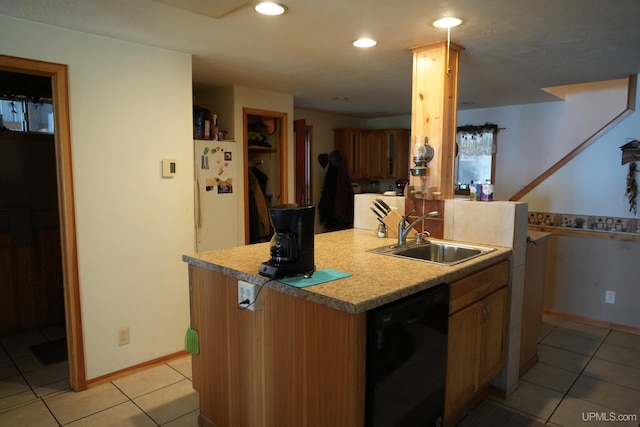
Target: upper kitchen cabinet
346,142
374,154
398,143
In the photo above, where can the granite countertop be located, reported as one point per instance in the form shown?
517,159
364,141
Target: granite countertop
376,279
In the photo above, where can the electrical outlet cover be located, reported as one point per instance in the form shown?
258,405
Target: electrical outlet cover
247,292
610,297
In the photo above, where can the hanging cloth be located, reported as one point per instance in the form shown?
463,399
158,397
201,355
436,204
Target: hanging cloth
259,224
336,202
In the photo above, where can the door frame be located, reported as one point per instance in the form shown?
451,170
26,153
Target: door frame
282,166
66,206
303,163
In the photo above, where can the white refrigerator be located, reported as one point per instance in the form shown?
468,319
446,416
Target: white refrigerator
216,194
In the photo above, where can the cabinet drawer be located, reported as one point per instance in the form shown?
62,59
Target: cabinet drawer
478,285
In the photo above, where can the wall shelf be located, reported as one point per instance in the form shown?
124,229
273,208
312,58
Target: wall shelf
261,149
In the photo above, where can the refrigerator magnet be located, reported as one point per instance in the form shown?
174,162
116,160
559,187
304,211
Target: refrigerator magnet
225,187
210,184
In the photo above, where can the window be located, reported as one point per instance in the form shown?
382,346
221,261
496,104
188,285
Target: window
475,156
20,115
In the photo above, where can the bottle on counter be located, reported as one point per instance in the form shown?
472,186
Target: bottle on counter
382,230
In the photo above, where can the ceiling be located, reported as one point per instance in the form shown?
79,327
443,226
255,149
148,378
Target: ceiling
512,48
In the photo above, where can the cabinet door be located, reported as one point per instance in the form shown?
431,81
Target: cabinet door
397,154
376,155
494,321
347,143
403,154
363,155
462,357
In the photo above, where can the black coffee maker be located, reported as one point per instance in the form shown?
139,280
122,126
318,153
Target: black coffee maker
292,242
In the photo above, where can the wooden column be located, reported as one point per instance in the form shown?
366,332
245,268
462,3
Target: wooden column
434,111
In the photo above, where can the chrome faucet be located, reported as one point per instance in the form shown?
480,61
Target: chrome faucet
403,231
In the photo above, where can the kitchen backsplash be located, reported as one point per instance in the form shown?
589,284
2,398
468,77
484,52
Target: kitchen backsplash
586,222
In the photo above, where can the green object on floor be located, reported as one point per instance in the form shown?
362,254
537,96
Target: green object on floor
191,343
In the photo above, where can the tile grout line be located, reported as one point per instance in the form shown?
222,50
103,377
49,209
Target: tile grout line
136,405
35,396
578,377
12,359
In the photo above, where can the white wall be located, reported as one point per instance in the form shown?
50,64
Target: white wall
580,270
130,107
536,136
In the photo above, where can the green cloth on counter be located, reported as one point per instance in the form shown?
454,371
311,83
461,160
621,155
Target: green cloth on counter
320,276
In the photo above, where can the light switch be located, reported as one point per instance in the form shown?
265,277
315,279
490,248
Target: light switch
169,167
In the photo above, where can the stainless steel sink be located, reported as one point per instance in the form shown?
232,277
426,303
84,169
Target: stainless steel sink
437,252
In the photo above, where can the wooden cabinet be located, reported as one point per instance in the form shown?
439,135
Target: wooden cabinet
398,145
346,142
297,363
291,363
477,330
533,302
374,154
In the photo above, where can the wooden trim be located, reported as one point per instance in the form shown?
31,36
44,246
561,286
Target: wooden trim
434,96
564,231
300,156
473,288
594,322
134,369
282,160
66,206
630,108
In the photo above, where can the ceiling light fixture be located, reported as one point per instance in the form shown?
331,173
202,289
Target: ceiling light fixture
448,22
270,8
365,42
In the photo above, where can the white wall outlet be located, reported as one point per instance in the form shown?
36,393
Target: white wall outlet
610,297
123,336
247,295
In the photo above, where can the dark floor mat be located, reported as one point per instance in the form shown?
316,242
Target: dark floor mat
492,414
50,352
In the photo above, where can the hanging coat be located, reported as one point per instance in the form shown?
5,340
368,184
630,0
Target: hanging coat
336,202
259,223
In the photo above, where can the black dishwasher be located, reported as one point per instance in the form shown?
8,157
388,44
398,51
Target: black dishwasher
406,360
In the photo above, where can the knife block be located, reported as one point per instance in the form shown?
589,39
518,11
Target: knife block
391,221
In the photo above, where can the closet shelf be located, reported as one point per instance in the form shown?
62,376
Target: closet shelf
260,149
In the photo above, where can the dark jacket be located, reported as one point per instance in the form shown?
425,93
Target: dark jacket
336,202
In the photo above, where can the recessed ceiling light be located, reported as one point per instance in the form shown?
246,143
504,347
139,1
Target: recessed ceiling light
365,42
447,22
270,8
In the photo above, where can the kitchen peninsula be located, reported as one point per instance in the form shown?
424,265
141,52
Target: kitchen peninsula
299,359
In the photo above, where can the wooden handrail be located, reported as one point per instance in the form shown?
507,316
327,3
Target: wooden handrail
630,108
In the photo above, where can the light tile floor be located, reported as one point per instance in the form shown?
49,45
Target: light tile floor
36,395
586,375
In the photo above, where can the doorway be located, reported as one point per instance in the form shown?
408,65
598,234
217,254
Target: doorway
303,165
66,208
266,169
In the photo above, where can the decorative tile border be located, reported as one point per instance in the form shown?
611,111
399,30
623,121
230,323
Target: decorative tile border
607,224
